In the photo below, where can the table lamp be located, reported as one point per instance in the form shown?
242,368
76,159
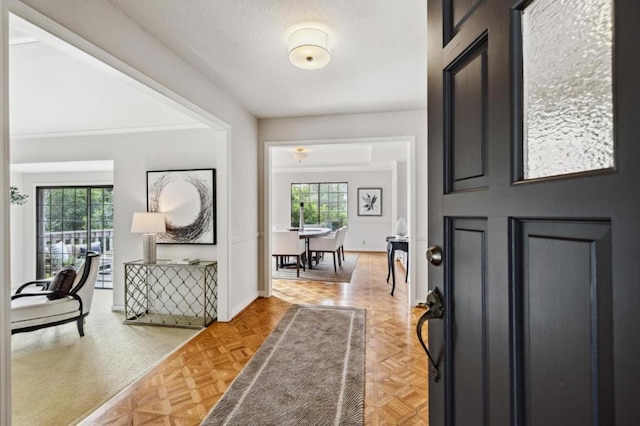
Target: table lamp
148,224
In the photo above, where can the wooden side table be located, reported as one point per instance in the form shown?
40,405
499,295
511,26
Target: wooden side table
393,244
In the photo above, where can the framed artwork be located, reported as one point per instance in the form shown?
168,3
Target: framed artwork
369,201
188,199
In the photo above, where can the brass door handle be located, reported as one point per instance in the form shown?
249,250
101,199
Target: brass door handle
434,255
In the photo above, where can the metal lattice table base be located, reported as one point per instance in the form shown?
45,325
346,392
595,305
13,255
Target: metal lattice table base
170,294
166,319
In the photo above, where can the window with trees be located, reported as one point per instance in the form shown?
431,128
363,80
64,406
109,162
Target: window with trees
72,220
324,203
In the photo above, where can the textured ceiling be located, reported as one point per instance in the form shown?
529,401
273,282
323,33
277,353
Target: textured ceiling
378,51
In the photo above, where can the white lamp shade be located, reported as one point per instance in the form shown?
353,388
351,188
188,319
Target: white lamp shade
148,223
309,48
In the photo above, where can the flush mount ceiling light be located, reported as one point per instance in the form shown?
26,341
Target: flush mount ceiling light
300,154
309,48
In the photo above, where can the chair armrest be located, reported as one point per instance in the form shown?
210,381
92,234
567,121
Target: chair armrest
47,293
21,295
41,283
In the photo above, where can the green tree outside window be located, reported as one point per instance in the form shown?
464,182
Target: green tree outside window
324,203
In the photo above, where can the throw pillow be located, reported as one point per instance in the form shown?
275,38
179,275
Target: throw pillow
62,282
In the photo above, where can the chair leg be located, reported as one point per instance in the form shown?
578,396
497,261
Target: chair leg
298,266
335,268
81,326
339,258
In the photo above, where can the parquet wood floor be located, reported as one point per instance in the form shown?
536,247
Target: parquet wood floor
184,387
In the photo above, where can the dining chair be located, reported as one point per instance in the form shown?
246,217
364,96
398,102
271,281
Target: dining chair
328,244
341,237
285,244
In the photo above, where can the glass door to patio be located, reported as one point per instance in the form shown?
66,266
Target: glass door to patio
72,220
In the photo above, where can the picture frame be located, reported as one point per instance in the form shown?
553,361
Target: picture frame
369,201
188,199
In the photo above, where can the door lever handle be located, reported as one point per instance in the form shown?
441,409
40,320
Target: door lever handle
435,311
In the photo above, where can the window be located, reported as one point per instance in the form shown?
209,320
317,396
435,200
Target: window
71,221
324,203
567,87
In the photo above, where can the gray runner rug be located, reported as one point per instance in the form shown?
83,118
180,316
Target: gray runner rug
309,371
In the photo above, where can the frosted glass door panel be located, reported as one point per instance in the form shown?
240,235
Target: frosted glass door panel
568,98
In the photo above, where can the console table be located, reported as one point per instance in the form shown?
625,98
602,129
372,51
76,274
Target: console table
393,244
170,294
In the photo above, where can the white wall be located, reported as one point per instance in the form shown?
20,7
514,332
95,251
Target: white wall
17,222
365,233
133,154
352,127
402,209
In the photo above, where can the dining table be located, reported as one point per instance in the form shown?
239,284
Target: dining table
308,233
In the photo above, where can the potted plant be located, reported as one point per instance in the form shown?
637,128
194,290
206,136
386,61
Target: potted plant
17,197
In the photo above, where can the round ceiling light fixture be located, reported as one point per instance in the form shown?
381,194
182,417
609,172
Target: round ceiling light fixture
309,48
300,154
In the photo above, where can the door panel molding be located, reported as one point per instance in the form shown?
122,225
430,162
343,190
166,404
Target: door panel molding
465,122
561,361
455,15
466,328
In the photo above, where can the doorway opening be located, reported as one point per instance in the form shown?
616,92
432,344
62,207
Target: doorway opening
355,161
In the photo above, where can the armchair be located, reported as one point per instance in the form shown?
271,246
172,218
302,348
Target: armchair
33,306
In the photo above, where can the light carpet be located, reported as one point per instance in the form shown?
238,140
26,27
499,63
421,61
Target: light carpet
321,272
309,371
59,377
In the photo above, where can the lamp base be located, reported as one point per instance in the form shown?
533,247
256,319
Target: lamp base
149,248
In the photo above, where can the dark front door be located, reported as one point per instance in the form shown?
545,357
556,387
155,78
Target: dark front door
534,189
